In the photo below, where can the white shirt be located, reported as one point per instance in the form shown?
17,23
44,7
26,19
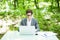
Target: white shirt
29,22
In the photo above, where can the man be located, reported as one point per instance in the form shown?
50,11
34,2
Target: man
29,21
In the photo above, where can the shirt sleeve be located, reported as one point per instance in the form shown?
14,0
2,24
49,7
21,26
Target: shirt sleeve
37,26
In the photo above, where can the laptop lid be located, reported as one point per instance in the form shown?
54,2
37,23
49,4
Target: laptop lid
27,30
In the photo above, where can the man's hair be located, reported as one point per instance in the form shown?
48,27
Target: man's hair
29,11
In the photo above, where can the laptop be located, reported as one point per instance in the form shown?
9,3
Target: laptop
27,30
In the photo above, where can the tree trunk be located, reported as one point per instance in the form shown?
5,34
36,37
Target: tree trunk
23,5
15,3
57,3
35,1
51,5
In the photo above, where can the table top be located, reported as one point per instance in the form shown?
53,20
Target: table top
15,35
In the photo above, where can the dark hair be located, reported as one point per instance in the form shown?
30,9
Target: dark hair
29,11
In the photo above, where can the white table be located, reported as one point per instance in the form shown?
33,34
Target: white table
15,35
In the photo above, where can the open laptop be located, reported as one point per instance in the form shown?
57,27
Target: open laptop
27,30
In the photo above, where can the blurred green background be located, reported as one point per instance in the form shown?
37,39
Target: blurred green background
47,12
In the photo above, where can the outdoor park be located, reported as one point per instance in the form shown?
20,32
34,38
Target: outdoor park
47,13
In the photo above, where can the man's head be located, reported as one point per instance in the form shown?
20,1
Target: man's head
29,13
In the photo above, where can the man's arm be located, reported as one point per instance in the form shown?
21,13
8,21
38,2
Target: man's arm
21,23
37,26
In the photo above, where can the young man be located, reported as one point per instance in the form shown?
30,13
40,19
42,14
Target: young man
29,21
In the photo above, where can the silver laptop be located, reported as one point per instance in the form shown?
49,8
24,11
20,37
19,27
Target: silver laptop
27,30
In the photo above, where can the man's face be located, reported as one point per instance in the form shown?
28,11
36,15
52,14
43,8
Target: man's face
29,15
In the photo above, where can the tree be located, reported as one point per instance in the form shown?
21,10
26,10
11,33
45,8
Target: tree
36,2
15,3
57,3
